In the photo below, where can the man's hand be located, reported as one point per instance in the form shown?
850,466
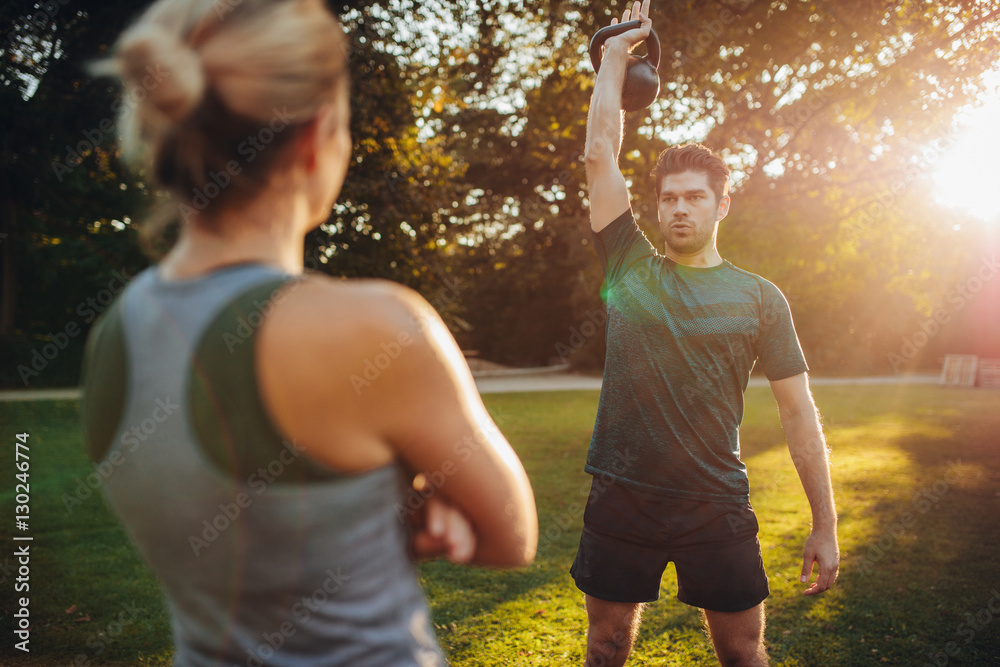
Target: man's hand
440,529
821,549
637,12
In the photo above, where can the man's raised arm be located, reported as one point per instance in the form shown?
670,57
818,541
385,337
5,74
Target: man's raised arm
609,196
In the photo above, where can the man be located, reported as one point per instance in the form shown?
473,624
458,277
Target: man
684,329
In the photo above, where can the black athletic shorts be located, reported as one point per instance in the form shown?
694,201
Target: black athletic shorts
630,535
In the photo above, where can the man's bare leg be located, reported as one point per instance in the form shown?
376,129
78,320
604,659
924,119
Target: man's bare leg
611,631
738,637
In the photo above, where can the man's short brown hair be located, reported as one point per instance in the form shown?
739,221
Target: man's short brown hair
692,157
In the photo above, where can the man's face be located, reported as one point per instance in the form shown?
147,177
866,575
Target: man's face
688,211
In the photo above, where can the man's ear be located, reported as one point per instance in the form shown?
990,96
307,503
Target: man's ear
723,208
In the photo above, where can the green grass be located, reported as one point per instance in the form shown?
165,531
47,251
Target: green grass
917,479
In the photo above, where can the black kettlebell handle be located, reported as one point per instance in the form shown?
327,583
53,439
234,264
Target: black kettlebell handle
606,33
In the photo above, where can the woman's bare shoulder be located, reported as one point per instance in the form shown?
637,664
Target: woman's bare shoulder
328,355
332,336
332,305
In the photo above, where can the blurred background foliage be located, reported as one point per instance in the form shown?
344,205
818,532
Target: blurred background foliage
467,181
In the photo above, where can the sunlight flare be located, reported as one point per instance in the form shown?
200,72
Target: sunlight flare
965,177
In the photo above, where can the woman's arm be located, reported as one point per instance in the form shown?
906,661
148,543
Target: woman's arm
362,373
437,423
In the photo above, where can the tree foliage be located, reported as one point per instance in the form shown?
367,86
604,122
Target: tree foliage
469,120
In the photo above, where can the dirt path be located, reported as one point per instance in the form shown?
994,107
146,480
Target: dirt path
498,382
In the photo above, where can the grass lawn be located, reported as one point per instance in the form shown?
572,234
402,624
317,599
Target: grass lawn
916,475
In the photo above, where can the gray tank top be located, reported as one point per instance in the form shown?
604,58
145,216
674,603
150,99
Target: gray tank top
265,556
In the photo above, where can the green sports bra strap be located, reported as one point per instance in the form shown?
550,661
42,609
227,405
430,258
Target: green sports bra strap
228,416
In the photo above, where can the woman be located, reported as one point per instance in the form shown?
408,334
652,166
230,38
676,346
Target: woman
260,465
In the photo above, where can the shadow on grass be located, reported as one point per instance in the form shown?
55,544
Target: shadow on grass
912,588
920,519
887,446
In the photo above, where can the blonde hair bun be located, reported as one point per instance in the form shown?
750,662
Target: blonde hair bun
170,73
202,78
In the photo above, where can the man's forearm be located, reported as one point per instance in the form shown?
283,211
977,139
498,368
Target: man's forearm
808,450
604,125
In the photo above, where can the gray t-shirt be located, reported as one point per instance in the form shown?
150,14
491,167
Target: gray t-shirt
681,342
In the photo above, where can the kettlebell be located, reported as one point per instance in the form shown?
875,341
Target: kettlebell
642,83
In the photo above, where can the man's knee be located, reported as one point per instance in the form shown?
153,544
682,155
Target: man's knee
745,654
739,637
608,648
612,628
741,649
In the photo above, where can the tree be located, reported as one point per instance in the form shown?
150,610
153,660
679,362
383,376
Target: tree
469,120
830,119
63,196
